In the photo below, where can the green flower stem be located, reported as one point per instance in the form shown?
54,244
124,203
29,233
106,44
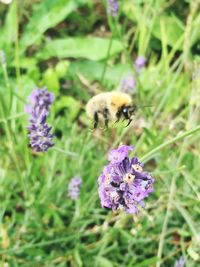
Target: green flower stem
194,7
107,58
68,153
12,151
170,200
17,57
151,153
8,87
19,115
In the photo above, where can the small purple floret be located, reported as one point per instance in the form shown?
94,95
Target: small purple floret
128,84
140,62
119,154
74,188
124,184
180,262
39,131
113,7
40,100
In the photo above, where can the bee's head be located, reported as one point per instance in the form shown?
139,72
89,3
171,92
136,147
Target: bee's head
127,111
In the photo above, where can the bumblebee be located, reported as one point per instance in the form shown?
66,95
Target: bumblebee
110,106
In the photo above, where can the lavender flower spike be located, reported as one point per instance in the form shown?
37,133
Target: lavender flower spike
74,188
40,99
119,154
180,262
140,62
112,7
123,183
39,131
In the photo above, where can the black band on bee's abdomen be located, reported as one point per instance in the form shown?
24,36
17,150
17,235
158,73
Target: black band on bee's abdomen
105,114
119,114
96,120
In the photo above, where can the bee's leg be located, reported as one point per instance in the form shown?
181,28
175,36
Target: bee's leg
105,114
96,120
128,123
118,115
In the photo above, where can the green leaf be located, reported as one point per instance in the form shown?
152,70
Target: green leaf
93,71
193,254
78,259
8,31
103,262
46,15
26,63
72,105
51,80
148,262
195,30
62,68
93,48
174,29
188,219
179,92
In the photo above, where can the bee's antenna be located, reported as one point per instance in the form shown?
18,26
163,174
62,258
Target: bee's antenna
145,106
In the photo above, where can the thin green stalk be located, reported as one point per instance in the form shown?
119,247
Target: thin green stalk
107,58
151,153
66,152
187,218
17,57
3,120
128,58
127,54
9,88
166,219
159,107
35,245
170,200
168,90
194,6
7,83
12,152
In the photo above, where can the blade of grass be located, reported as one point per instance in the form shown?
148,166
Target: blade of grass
151,153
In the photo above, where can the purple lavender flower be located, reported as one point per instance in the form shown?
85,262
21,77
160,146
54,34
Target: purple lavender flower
112,7
119,154
124,184
180,262
39,130
128,84
140,62
40,100
74,187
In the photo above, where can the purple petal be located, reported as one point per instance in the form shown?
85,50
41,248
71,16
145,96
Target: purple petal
140,62
119,154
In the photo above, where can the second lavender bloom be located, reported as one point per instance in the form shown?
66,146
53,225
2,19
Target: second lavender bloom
39,131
